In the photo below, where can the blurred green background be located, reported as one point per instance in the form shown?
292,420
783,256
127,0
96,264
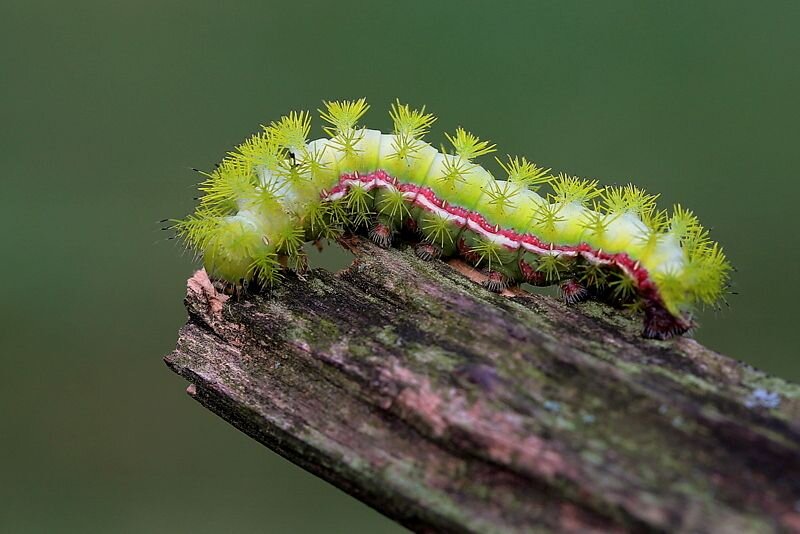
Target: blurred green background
105,106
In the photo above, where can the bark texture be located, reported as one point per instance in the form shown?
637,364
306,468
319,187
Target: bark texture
450,408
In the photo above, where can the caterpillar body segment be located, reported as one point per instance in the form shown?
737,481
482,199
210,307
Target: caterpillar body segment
278,190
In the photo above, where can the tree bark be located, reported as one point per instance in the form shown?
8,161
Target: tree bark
450,408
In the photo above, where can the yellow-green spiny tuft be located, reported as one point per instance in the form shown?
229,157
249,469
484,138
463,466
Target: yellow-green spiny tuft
522,171
291,131
623,288
265,267
707,273
437,230
454,170
410,126
259,150
468,146
551,266
592,275
326,220
545,219
501,195
343,116
358,205
196,228
628,198
488,252
393,208
596,222
228,184
567,189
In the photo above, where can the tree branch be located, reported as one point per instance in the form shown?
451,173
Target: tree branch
449,408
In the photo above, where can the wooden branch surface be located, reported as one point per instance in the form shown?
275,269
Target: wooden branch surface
449,408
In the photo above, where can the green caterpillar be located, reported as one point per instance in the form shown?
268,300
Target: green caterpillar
277,191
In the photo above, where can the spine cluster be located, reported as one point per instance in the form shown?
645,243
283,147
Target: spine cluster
277,190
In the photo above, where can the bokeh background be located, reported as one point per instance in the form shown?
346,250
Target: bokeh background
105,106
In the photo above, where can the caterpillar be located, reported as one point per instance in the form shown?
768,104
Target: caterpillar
277,191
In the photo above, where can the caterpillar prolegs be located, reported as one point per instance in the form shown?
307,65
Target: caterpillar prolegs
277,191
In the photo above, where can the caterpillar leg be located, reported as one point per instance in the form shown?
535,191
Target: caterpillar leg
227,288
235,290
496,282
467,253
427,251
297,262
381,235
410,225
573,291
531,275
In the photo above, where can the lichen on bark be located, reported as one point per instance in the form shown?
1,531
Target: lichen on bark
450,408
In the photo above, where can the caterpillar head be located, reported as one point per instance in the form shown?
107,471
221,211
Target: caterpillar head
233,247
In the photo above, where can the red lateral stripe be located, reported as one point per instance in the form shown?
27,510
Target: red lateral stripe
380,178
